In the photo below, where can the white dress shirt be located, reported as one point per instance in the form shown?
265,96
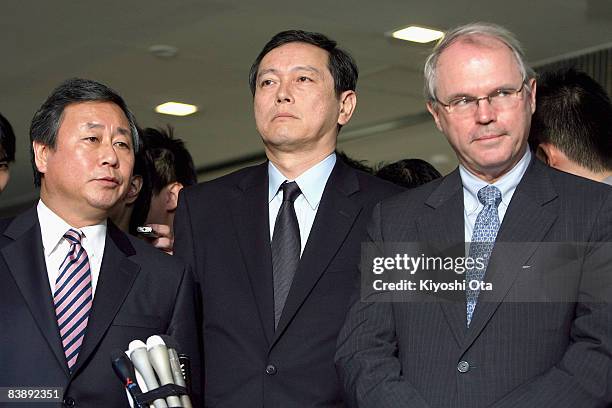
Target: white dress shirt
312,183
56,247
506,184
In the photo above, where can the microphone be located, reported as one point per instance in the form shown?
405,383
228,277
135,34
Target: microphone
140,358
175,366
160,360
125,371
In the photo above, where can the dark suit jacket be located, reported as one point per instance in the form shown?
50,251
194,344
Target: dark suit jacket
541,351
222,231
140,292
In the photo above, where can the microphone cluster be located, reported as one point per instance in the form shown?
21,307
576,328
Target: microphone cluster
154,374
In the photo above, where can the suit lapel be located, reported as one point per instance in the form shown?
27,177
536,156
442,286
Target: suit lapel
529,217
117,275
446,220
335,216
252,226
25,259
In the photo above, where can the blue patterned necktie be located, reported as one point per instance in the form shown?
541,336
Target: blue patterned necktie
483,239
73,297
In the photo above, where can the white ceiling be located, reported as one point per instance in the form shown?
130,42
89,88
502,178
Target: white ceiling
45,42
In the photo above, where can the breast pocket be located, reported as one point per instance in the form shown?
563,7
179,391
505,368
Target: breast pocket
137,320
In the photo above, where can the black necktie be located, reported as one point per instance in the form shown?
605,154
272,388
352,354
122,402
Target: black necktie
285,247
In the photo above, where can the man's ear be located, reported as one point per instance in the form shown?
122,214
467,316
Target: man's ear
348,102
41,152
432,109
172,195
134,189
532,95
551,153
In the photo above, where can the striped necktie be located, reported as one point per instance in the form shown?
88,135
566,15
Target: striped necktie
73,297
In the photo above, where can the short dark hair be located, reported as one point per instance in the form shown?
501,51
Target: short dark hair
7,139
140,208
341,65
169,158
574,114
354,163
47,120
409,173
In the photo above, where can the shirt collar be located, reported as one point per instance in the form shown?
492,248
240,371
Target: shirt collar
53,228
311,182
506,184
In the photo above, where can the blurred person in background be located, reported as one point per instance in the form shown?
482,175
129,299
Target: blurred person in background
409,173
571,129
7,151
171,169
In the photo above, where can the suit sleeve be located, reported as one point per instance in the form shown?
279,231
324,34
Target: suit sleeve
583,377
184,247
183,233
184,329
366,357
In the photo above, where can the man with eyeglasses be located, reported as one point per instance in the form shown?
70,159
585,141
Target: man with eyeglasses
533,325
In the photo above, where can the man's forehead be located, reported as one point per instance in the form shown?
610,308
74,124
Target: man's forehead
478,60
470,46
95,109
296,53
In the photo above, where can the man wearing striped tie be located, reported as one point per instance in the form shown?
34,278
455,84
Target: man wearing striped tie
74,287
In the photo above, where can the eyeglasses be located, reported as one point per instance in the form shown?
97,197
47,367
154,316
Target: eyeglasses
499,99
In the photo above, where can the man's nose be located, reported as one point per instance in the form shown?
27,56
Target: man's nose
108,155
283,94
485,113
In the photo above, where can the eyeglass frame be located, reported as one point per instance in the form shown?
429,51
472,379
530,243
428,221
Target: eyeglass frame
514,92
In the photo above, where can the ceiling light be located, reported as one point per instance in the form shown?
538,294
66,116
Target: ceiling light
417,34
176,109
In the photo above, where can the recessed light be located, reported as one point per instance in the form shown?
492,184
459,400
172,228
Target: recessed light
417,34
163,51
176,108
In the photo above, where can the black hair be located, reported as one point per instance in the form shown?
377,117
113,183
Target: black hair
409,173
7,140
341,65
574,114
169,158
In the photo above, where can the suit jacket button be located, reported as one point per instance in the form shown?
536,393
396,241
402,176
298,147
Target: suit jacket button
270,369
463,367
69,402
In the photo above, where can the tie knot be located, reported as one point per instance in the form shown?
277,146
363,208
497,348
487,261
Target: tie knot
489,195
74,236
291,191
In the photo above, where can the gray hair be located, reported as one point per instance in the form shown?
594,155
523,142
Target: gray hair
469,31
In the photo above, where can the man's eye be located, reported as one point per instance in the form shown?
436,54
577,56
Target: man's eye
266,82
304,79
502,93
92,139
122,145
460,101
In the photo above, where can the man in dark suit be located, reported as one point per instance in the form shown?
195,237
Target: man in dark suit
536,329
74,287
275,246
